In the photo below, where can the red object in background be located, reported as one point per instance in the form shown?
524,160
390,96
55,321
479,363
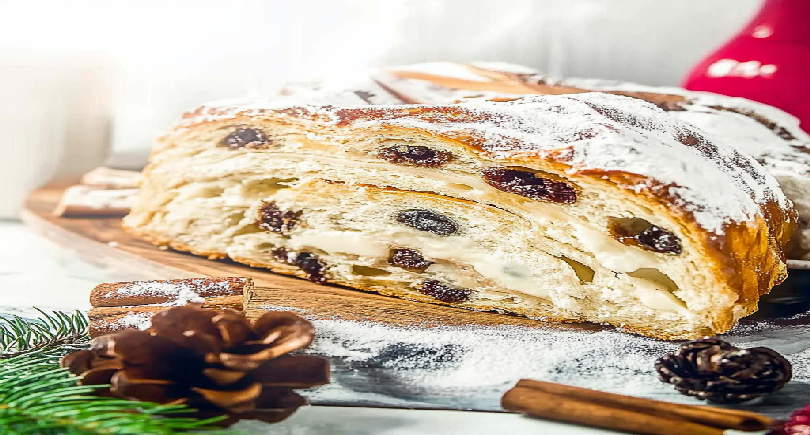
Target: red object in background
768,61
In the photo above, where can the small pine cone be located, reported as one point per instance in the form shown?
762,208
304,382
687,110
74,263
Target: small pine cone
716,371
214,361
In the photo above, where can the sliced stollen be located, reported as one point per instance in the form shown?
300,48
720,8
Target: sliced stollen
587,207
770,135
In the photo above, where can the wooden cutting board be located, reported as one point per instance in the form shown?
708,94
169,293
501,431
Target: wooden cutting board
436,364
101,241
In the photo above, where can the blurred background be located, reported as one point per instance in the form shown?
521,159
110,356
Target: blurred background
81,78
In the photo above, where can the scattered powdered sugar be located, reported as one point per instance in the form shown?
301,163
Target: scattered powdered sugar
140,321
470,367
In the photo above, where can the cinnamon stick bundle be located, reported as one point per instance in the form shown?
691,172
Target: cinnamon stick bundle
122,305
625,413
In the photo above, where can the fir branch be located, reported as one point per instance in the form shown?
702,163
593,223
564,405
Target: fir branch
50,332
38,397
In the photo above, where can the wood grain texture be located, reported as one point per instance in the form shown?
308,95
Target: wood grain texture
102,241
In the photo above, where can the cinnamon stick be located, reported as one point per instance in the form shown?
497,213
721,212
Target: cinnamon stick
121,305
625,413
167,292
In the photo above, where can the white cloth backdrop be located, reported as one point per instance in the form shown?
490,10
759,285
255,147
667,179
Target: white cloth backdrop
171,55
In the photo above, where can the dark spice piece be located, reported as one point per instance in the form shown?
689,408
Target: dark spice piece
640,233
245,137
410,259
444,292
716,371
414,155
528,184
426,220
274,219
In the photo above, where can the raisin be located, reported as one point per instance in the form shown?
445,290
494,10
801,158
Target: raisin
280,254
444,292
642,234
414,155
274,219
244,137
409,259
528,184
426,220
312,266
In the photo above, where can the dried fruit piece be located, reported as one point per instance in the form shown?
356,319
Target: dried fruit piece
280,254
426,220
410,259
640,233
312,266
444,292
245,137
274,219
530,185
414,155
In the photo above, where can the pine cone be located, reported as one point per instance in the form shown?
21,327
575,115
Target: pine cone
716,371
212,360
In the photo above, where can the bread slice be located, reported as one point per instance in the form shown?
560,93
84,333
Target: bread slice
769,135
587,207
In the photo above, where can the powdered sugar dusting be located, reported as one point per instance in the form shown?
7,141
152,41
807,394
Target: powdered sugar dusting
470,367
606,132
698,172
179,292
140,321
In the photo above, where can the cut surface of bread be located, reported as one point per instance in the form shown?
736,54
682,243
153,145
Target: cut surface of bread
566,208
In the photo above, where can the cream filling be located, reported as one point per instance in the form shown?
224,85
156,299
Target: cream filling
511,275
611,253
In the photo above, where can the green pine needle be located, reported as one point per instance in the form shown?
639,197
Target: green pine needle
19,336
38,397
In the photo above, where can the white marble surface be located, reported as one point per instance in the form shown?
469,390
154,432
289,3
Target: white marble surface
35,272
